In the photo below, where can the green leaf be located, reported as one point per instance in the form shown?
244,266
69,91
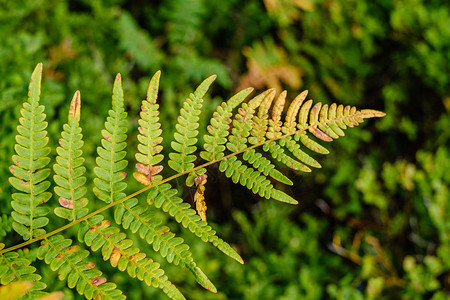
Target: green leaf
185,136
29,169
69,167
109,185
163,196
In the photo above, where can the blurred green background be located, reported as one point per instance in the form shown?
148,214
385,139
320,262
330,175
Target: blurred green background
373,223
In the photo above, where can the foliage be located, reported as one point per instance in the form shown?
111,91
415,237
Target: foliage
387,55
29,178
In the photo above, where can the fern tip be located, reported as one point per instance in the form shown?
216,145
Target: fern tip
38,69
153,86
36,75
74,109
155,77
204,86
371,113
204,281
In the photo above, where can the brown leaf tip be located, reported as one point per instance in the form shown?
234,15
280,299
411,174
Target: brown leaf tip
106,135
142,169
200,179
148,170
97,281
163,231
67,203
89,265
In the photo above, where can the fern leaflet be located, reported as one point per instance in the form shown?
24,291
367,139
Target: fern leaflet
109,183
29,170
69,169
186,136
71,264
165,197
14,268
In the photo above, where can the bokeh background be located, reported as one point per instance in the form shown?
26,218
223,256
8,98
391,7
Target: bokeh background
373,223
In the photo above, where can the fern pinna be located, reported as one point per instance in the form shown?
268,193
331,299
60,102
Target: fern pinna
245,144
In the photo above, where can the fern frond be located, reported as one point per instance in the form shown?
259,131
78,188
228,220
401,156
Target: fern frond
328,122
214,146
289,126
324,122
185,136
278,153
109,183
252,179
184,145
70,262
165,197
69,167
276,127
244,125
97,233
260,121
336,125
140,219
310,144
14,268
258,136
294,148
150,139
265,166
275,123
29,169
70,188
251,127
